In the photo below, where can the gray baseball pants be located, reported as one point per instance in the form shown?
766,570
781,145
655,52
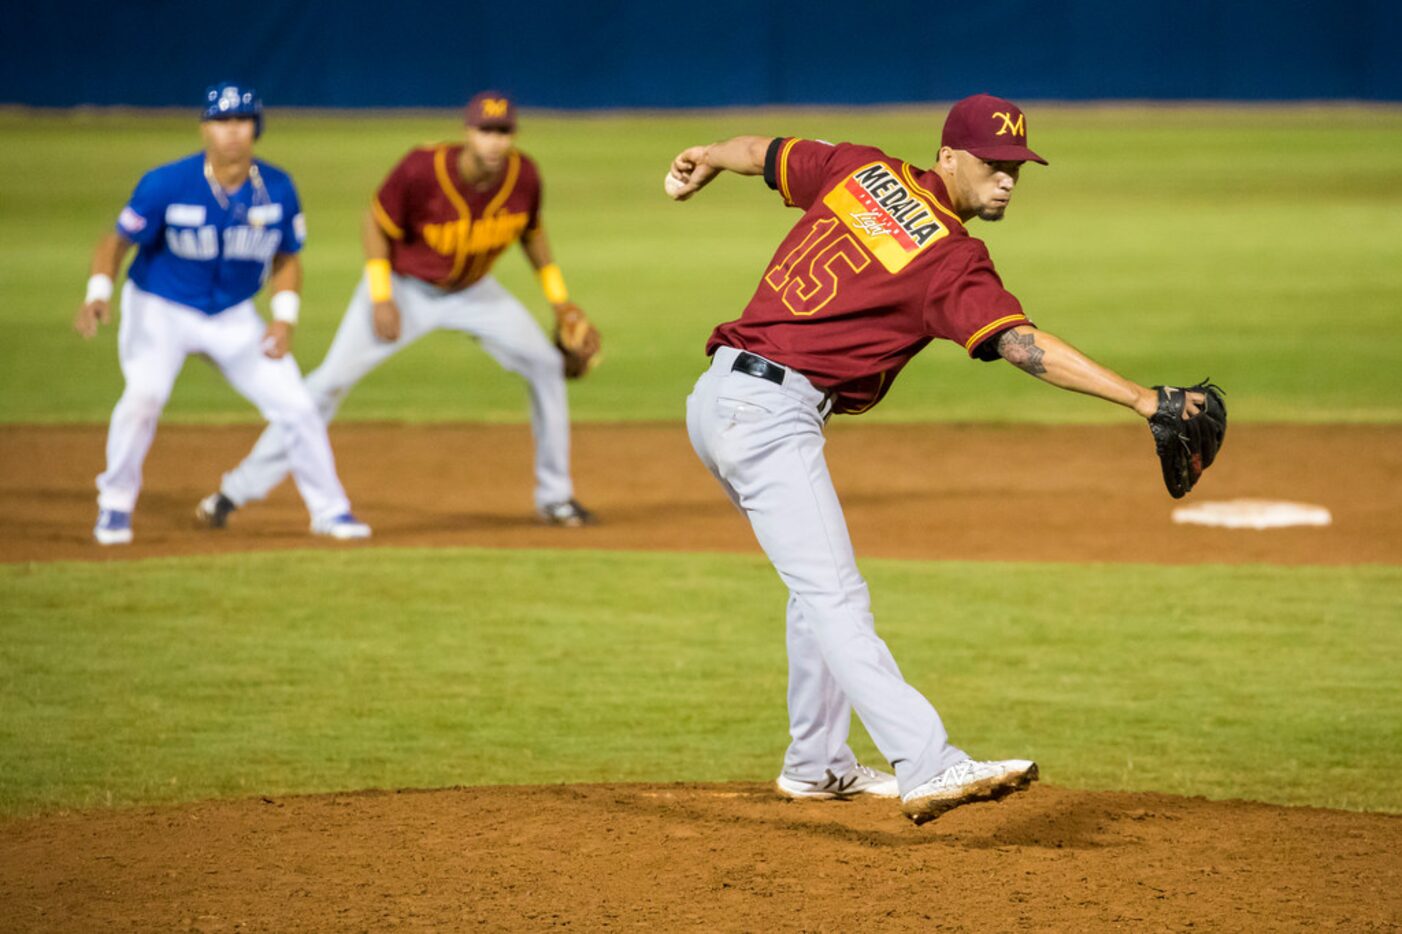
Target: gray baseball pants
764,443
484,310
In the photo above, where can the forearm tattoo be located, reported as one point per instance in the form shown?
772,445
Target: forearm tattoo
1021,351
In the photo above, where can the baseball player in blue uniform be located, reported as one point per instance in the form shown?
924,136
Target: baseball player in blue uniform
209,230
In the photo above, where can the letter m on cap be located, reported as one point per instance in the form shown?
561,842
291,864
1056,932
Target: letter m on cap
1016,127
494,107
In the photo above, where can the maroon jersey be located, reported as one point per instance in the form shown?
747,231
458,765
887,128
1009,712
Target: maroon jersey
445,231
878,266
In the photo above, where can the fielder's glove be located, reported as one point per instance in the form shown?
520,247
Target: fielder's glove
1187,448
578,340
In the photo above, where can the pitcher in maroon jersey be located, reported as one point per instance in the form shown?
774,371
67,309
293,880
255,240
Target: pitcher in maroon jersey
880,264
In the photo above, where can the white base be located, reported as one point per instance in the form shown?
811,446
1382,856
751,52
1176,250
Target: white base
1252,514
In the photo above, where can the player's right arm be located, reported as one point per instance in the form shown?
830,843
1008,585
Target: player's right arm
698,165
139,224
389,219
385,314
97,306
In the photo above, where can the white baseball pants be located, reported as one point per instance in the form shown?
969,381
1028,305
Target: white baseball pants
764,443
153,340
485,311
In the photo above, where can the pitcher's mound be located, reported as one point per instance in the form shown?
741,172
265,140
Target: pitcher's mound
712,857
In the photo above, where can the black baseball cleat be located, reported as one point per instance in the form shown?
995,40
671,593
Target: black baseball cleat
213,511
569,514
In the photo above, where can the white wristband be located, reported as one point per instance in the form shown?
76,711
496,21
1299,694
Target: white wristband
99,288
285,306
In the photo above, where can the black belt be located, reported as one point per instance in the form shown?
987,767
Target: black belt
746,362
751,365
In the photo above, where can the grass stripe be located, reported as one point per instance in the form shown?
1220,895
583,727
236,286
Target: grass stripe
178,679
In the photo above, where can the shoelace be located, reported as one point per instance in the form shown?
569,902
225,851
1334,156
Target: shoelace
958,774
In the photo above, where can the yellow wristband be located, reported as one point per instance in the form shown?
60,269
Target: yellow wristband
377,274
553,283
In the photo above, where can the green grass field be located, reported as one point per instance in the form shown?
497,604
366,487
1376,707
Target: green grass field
1260,246
183,679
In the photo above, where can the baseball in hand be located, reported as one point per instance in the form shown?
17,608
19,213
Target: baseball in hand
672,184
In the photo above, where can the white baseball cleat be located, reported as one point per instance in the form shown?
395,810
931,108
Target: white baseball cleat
860,780
966,782
343,528
113,527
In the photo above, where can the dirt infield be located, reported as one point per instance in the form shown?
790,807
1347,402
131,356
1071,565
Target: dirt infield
936,492
701,857
724,857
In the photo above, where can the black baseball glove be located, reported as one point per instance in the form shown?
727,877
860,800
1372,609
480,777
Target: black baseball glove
1187,448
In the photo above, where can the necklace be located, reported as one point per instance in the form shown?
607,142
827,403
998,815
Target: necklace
260,191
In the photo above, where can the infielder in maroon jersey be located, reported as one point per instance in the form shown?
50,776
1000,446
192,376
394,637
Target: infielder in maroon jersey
880,264
434,228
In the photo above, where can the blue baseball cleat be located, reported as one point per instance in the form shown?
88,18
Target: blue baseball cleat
113,528
343,528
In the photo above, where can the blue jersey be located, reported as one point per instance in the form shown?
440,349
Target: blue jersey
203,247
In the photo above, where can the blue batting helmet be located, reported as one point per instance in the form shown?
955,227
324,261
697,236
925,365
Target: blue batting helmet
226,100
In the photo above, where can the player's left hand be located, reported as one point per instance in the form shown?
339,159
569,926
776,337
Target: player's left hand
1147,404
578,340
1188,426
277,342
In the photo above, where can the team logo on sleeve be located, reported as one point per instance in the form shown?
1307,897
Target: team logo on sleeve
888,216
130,221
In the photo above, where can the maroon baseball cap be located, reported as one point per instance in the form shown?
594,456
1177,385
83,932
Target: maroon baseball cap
491,110
990,128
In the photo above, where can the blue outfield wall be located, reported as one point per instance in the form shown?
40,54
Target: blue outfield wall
571,54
